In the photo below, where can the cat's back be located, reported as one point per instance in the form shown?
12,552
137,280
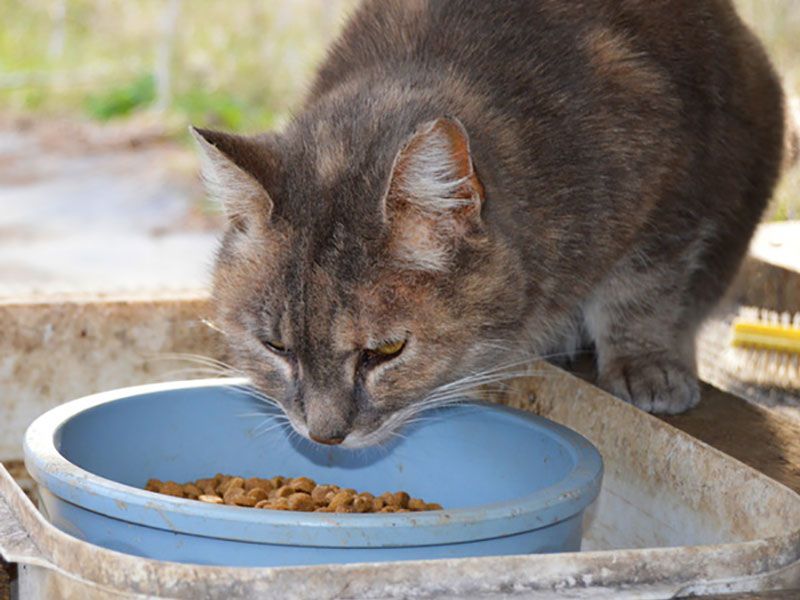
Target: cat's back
501,42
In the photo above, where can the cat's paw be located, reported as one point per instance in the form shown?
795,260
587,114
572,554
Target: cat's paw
654,385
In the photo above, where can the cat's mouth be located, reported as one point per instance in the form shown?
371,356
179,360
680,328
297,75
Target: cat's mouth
349,440
352,440
327,441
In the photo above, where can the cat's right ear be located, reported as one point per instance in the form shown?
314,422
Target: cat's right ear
229,165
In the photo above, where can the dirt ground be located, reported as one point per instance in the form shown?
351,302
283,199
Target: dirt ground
87,208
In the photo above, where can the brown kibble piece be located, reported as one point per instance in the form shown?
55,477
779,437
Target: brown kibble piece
263,504
433,506
233,482
322,494
302,484
401,499
232,493
388,509
280,504
170,488
300,501
362,504
282,492
153,485
258,483
211,499
416,504
341,501
190,490
377,504
208,488
257,494
244,500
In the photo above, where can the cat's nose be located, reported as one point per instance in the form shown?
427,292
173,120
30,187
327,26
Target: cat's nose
333,441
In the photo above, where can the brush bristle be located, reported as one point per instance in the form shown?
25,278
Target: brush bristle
765,348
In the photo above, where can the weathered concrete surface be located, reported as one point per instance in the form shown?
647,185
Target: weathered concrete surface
54,351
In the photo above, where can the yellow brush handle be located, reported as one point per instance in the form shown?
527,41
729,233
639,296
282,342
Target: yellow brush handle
767,336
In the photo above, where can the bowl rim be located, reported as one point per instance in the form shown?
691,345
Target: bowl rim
70,483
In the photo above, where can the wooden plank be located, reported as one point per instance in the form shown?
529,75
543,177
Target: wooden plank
764,439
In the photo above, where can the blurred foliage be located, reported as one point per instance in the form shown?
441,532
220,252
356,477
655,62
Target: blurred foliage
121,101
239,65
777,24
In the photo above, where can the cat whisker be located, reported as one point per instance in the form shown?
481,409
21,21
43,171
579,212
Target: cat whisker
211,325
257,395
267,426
196,358
191,372
265,413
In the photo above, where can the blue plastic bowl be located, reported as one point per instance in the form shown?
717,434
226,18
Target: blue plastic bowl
510,482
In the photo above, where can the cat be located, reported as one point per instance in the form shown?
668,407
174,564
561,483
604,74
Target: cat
468,183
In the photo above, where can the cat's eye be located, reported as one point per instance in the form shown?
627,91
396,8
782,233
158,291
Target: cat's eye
275,346
373,356
390,348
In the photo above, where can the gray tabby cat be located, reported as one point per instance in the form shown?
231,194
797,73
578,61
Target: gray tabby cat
472,182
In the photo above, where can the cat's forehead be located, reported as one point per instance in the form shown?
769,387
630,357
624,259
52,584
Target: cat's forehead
344,147
330,204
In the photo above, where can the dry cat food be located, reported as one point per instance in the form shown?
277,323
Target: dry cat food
283,493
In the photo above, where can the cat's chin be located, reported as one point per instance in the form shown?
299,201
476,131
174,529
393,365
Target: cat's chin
357,440
381,436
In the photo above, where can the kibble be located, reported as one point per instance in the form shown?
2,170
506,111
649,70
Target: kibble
211,499
285,493
244,500
258,494
172,489
192,491
302,484
282,492
300,501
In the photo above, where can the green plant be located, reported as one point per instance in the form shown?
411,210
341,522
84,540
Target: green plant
121,101
212,109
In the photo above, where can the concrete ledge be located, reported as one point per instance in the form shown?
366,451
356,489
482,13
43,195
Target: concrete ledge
62,348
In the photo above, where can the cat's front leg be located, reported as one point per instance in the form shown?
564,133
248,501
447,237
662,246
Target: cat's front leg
645,349
655,383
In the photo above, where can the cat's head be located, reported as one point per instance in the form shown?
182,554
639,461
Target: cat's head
357,281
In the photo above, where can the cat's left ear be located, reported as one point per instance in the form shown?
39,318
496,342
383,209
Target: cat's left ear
434,197
233,170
